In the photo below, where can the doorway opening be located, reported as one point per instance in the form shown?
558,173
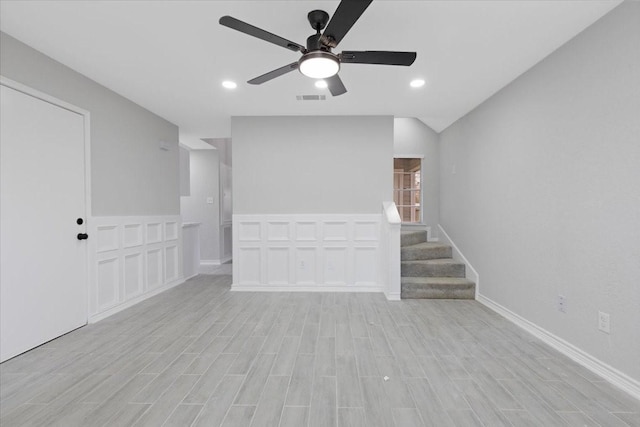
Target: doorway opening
407,193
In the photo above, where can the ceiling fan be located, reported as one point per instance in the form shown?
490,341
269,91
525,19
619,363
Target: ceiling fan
317,60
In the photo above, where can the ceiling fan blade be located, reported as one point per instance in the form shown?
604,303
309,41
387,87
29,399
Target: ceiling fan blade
344,17
335,85
243,27
382,57
273,74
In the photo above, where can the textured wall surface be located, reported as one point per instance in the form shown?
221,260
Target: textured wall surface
130,174
307,164
540,190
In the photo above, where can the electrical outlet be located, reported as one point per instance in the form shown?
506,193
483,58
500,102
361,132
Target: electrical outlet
604,322
562,303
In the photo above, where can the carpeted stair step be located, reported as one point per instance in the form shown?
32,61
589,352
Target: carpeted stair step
408,238
437,288
432,268
426,250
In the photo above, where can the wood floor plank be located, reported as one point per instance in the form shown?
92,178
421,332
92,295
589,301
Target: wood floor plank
208,381
351,417
323,410
183,415
348,384
158,413
295,416
407,417
255,380
200,354
286,356
269,409
299,391
239,416
215,410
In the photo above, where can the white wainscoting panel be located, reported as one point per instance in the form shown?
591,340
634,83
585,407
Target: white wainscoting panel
132,235
154,268
132,258
133,275
171,263
306,252
107,282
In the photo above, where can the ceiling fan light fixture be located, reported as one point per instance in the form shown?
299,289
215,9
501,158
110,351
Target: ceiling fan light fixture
321,84
319,64
417,83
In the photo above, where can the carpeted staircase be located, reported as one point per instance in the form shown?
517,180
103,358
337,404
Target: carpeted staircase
429,271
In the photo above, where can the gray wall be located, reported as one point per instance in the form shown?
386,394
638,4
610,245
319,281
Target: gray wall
204,184
309,164
185,174
412,137
545,199
130,175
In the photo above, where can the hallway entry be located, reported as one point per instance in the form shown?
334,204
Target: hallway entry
407,175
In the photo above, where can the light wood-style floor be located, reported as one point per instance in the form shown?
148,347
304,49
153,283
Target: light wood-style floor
204,356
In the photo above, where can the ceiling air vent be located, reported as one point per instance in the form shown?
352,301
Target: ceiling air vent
311,97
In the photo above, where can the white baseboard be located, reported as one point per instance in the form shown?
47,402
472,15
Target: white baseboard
392,296
129,303
302,288
596,366
214,262
470,272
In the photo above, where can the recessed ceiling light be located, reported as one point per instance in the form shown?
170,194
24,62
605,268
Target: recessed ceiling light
417,83
229,84
321,84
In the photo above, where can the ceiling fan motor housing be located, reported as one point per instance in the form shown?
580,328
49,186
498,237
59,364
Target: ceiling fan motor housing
318,19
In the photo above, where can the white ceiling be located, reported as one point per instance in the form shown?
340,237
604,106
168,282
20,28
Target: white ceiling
171,56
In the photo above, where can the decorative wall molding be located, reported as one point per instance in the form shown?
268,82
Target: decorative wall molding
307,252
598,367
131,259
190,249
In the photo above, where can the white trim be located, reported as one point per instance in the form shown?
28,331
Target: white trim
408,156
86,115
130,303
470,272
609,373
390,251
300,288
393,296
209,262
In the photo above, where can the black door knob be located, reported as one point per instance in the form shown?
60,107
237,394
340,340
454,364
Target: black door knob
83,236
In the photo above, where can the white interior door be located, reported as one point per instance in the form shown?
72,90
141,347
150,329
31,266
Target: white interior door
43,280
